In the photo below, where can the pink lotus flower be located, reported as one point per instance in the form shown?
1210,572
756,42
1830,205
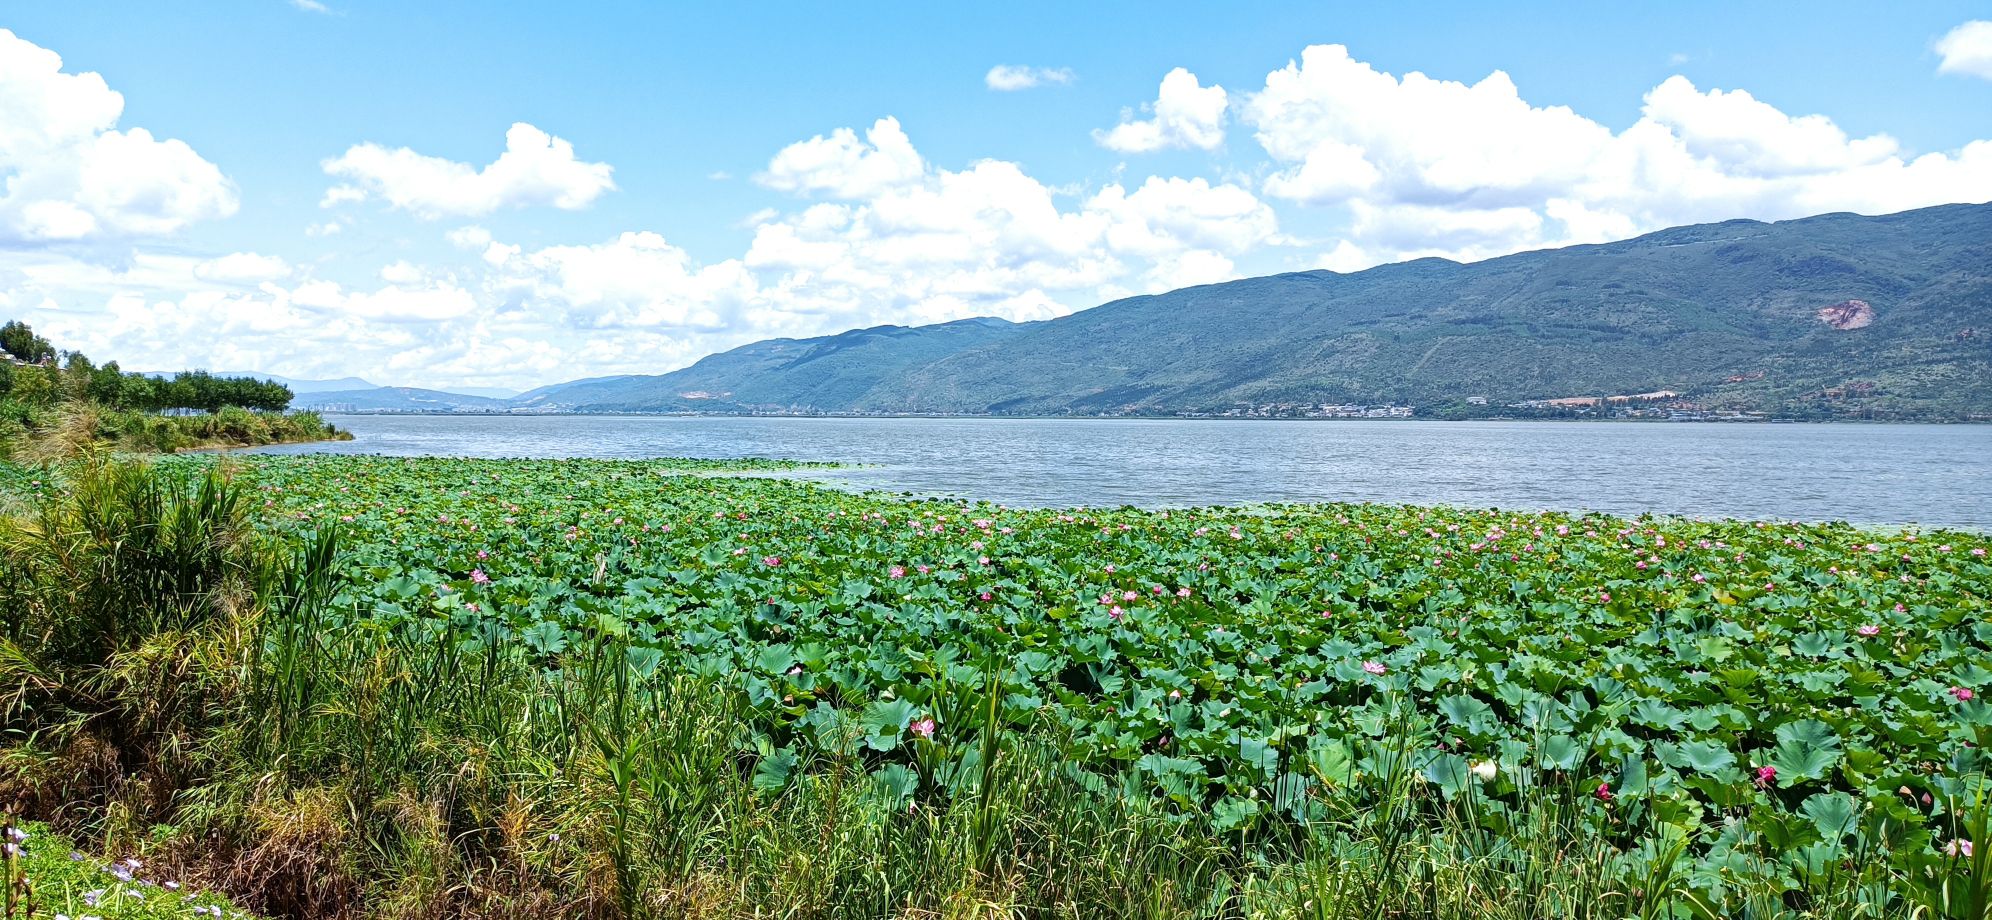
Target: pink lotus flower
771,561
1114,613
924,728
478,577
1766,776
481,554
1604,792
1963,694
1130,595
897,571
1374,667
1869,630
1182,592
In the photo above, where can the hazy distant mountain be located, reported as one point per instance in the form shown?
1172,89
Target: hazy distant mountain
349,386
1893,313
297,385
825,373
486,392
396,399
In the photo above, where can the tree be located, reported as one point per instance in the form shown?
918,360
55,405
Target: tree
22,342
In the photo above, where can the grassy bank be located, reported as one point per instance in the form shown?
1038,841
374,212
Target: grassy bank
587,688
60,432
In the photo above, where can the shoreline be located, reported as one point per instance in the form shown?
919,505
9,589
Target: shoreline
1139,418
218,447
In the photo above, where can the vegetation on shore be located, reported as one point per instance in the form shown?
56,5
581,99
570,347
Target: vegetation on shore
55,404
337,687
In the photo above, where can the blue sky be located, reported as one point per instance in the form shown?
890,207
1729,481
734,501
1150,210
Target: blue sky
1611,120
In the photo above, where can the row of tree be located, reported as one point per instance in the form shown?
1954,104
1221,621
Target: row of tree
46,376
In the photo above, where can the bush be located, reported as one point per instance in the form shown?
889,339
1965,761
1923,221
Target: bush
117,584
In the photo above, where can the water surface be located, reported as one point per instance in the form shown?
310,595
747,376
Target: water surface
1875,474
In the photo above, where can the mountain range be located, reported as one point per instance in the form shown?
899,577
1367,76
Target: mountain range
1885,316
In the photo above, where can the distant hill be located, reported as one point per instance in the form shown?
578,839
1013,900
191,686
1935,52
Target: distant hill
397,399
1890,316
301,386
828,373
350,386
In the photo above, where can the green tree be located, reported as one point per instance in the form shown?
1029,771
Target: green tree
22,342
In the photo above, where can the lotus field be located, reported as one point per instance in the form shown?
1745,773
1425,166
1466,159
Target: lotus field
1743,682
663,688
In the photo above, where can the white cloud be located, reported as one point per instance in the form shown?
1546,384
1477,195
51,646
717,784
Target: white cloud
401,271
311,6
72,175
243,268
416,303
1401,167
1967,50
536,169
635,281
470,236
845,167
1012,77
940,244
1436,167
1184,114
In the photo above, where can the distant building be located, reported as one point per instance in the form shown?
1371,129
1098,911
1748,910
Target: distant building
1656,394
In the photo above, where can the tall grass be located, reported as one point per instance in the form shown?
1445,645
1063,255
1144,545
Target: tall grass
41,434
169,672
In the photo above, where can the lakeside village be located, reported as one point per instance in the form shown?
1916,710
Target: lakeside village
1659,405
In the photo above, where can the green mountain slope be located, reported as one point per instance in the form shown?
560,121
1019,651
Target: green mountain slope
829,373
1686,309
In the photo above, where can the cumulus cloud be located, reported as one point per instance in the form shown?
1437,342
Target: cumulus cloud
243,268
1967,50
845,167
1006,78
891,239
1184,114
73,175
636,281
536,169
937,244
1399,166
1436,167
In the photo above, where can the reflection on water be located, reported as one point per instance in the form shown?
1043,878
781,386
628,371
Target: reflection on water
1929,474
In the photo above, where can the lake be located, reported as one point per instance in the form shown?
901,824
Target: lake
1873,474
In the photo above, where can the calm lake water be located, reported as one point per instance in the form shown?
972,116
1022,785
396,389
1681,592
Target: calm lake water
1877,474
